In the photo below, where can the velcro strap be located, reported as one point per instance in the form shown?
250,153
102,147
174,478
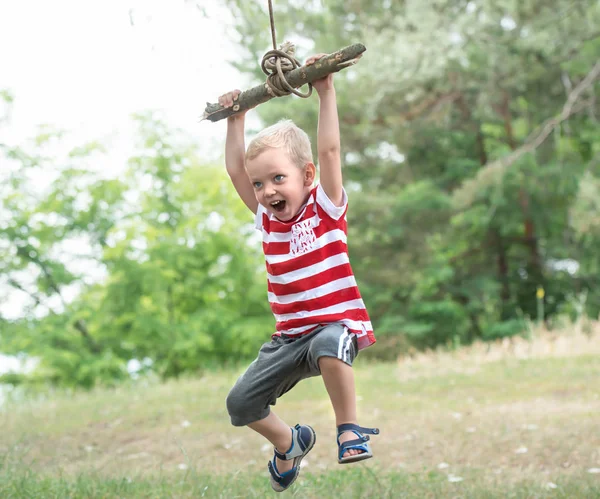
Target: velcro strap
358,443
354,427
297,447
276,476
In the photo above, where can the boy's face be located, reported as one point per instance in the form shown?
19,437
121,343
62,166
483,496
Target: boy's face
279,185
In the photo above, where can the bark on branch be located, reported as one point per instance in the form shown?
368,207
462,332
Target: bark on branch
494,170
331,63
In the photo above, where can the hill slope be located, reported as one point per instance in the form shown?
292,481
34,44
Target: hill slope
517,419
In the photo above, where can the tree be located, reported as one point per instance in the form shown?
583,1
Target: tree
179,284
445,247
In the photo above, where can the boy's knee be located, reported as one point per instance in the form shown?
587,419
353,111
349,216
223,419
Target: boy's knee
235,402
243,410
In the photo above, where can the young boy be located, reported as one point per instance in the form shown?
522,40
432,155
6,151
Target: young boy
321,319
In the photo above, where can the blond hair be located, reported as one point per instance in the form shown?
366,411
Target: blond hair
286,135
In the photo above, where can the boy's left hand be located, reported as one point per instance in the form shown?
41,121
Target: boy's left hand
322,84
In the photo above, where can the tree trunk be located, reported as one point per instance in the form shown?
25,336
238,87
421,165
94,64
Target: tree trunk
496,238
502,262
528,225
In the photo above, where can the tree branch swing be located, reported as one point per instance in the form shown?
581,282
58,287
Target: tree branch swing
285,75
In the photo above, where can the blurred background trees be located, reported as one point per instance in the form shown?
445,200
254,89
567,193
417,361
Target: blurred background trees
447,244
472,161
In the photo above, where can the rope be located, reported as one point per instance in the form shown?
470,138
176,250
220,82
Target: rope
272,25
277,62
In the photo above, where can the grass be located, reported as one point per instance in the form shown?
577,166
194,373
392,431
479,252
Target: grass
515,419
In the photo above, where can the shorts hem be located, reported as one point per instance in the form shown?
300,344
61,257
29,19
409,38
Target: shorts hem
235,421
324,354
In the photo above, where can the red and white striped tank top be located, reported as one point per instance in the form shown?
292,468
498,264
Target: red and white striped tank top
310,281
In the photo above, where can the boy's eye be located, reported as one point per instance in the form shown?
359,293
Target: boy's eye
257,185
278,178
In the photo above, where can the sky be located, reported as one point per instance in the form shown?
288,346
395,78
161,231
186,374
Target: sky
85,66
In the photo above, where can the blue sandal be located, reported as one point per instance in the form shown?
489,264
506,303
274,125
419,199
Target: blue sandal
360,444
303,440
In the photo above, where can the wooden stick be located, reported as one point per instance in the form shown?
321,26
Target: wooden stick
331,63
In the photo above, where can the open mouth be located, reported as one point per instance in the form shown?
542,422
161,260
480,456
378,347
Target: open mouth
278,206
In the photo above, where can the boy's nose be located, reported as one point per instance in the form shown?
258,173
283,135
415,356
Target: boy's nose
270,191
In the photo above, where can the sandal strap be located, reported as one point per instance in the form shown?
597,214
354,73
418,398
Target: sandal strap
281,478
301,438
354,427
359,444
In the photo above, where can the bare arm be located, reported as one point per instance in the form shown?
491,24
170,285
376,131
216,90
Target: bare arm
235,153
328,147
328,138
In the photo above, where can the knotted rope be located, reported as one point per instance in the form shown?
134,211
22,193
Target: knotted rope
277,62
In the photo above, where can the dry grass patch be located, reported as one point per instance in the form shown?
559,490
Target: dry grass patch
500,413
583,338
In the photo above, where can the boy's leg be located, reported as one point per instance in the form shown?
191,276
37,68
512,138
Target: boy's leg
339,382
331,354
279,434
278,367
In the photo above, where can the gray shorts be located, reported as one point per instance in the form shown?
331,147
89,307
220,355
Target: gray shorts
281,364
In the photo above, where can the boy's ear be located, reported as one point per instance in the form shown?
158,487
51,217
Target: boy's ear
310,172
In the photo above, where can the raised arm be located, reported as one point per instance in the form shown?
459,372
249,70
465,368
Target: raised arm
328,137
235,150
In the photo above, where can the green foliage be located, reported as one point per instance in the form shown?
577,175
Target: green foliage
511,327
160,264
180,284
442,91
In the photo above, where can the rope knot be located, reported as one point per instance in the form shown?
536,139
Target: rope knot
275,64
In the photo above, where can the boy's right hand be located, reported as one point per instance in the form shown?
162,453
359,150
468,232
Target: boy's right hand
229,99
